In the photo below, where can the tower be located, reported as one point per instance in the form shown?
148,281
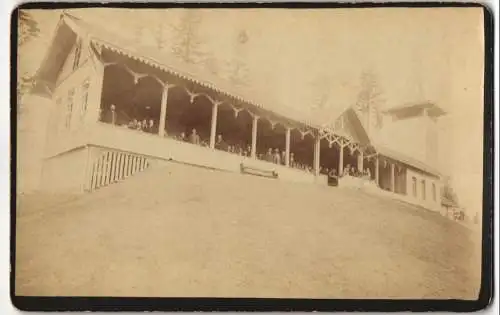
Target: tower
412,130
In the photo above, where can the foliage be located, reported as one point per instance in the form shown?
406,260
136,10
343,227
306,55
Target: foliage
322,87
27,30
27,27
238,70
188,45
448,193
369,98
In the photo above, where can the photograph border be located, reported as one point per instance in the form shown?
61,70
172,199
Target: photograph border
270,304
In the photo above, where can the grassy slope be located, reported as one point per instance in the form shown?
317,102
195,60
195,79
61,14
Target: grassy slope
182,231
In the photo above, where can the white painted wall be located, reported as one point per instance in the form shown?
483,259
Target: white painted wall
429,202
407,136
65,173
59,133
41,126
416,137
128,140
31,140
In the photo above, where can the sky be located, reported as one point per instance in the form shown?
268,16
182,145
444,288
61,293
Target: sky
292,56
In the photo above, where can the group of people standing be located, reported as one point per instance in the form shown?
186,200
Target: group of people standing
238,148
193,138
275,155
355,172
111,116
144,125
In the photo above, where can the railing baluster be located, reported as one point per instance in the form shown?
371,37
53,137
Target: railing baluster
143,163
95,166
125,173
102,169
107,168
130,164
113,167
120,166
110,167
133,165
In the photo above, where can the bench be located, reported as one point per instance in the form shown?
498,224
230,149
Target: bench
257,171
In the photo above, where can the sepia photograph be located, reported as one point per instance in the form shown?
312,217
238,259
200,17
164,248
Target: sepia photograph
307,153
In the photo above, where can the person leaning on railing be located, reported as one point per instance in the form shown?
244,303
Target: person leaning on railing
277,156
194,138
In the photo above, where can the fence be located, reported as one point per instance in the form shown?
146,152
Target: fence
113,166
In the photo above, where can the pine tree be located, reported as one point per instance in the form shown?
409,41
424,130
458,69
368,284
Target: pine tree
187,44
27,27
322,89
369,99
238,72
448,193
212,65
160,36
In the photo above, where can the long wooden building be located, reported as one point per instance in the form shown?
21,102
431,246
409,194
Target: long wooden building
116,109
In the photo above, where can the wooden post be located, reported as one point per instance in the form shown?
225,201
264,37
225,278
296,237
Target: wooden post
254,136
341,158
317,142
360,161
287,147
163,112
377,171
393,180
213,128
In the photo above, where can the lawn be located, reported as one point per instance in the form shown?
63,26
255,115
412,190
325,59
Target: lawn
183,231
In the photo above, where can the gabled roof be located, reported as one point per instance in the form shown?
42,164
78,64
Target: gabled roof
408,160
59,48
354,128
172,64
70,27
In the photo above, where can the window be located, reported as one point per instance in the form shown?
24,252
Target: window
414,184
78,52
69,109
423,189
85,97
434,191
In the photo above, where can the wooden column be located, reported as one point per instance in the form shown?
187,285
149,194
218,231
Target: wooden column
341,158
287,147
377,171
213,128
254,136
163,112
360,161
393,179
317,142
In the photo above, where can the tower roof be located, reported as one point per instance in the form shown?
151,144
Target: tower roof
416,108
